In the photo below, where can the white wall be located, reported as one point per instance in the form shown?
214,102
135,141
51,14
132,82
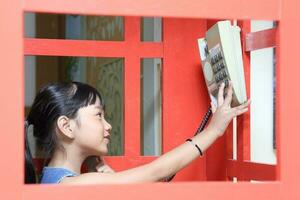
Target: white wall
262,83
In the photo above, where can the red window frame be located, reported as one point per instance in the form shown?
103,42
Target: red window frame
287,99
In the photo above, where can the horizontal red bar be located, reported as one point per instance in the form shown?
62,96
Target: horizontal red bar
229,9
251,171
120,163
260,39
86,48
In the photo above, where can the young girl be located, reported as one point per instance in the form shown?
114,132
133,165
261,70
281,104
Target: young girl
69,123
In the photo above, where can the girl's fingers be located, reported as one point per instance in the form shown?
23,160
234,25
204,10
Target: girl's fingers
99,159
244,105
228,98
102,160
105,169
239,112
241,108
101,169
220,95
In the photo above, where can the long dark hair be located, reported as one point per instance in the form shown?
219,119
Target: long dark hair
51,102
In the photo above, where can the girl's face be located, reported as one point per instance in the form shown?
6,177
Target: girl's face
92,132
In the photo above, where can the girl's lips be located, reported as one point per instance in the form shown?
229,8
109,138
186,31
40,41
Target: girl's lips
107,137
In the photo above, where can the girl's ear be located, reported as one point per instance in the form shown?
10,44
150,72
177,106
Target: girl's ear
65,127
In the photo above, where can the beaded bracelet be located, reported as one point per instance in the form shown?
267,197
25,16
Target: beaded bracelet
191,141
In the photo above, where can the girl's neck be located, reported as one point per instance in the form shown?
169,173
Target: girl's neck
71,160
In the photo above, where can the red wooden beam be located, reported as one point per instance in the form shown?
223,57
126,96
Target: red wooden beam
260,39
132,84
251,171
87,48
243,121
12,103
230,9
185,98
148,191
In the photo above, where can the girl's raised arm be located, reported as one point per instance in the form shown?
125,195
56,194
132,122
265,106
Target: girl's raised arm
176,159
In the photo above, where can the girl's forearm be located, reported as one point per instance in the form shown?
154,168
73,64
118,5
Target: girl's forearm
176,159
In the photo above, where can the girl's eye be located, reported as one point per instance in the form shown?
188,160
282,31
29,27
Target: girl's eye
99,114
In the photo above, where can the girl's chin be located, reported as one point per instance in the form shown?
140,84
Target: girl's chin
99,152
103,152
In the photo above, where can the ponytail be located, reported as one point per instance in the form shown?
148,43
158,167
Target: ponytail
30,173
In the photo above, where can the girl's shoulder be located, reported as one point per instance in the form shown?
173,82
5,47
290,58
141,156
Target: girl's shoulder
52,175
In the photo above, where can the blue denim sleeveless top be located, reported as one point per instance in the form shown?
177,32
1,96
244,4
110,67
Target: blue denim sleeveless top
55,174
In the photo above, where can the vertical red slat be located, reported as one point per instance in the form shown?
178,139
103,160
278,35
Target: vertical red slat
243,127
216,154
185,97
243,122
246,28
132,87
11,100
277,103
229,147
289,107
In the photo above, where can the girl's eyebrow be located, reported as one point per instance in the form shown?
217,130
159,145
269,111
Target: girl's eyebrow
99,107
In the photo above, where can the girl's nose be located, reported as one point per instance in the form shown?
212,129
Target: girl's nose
107,126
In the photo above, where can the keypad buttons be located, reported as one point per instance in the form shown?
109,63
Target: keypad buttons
219,66
221,75
219,56
222,65
224,74
217,78
215,69
216,58
213,60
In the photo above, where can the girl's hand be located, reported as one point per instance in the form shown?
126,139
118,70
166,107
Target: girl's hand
223,113
97,164
102,167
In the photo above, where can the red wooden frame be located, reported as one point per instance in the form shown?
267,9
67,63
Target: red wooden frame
260,39
287,99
